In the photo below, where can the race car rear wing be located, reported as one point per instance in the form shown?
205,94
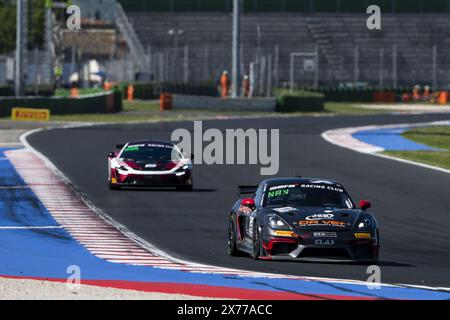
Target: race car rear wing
242,190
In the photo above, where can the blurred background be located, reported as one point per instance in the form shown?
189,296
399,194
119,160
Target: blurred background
314,44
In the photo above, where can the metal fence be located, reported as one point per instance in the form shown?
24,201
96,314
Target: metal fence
37,70
273,67
306,6
267,68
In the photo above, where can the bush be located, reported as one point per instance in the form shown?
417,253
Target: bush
6,90
360,95
300,101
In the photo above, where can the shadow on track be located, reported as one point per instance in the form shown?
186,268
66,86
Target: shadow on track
150,189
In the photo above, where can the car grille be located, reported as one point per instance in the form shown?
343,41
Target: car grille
326,253
283,248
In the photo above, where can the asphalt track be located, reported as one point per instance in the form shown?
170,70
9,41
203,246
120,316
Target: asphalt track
411,203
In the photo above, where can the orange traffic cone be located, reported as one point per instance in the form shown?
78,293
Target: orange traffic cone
130,93
74,93
443,97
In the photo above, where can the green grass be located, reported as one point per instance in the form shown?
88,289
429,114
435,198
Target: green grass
140,110
149,111
343,108
140,105
437,137
330,107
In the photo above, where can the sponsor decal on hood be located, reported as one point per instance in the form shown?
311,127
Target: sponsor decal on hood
330,223
285,209
320,216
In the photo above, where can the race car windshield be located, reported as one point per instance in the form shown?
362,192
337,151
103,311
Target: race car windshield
307,195
150,152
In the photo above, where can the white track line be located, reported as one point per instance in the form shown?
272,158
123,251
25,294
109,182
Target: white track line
343,138
30,228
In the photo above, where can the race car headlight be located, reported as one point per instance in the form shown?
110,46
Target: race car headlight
184,168
276,222
366,222
123,168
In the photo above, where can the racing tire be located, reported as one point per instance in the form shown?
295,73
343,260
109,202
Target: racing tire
376,257
232,246
188,187
257,244
113,187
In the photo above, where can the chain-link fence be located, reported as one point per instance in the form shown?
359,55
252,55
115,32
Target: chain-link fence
37,70
278,50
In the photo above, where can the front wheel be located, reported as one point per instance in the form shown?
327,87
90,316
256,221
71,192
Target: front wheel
257,244
113,186
232,247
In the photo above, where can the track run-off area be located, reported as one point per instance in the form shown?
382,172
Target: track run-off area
410,202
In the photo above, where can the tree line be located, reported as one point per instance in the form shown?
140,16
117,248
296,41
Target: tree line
36,24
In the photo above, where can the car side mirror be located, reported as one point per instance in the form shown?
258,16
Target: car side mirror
248,202
111,155
364,205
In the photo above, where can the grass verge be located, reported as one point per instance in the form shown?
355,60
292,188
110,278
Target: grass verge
342,108
83,92
148,111
435,136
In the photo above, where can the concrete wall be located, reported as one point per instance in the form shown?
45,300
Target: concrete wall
225,104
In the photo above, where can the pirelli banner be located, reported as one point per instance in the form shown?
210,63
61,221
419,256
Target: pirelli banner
27,114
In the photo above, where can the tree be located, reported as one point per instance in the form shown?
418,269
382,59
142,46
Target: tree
7,26
36,23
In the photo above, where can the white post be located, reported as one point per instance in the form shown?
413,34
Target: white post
394,66
435,83
269,76
262,74
276,62
316,79
291,73
21,41
206,64
49,41
236,51
252,78
186,64
36,76
356,67
381,76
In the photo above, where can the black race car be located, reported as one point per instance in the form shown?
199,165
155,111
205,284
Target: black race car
302,219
